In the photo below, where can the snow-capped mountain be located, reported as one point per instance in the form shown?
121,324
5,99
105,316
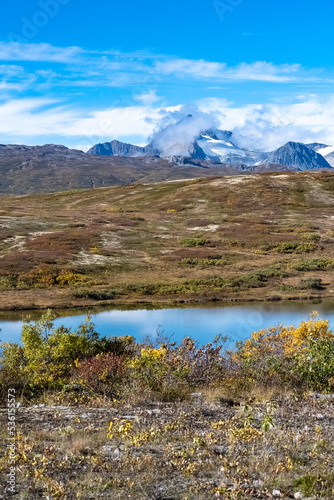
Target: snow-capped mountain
326,151
218,147
186,138
298,156
193,138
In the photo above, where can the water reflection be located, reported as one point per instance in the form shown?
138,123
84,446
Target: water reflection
203,323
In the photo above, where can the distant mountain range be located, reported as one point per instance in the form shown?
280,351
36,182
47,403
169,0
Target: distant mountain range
174,153
217,146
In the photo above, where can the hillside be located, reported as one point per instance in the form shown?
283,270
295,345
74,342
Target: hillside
262,237
51,168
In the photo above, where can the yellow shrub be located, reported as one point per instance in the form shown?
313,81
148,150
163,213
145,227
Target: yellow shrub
154,354
70,278
287,340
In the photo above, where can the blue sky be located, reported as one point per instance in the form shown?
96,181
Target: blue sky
78,72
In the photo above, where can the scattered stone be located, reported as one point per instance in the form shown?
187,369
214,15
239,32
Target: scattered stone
318,395
320,416
220,450
277,493
196,394
297,438
258,483
113,451
298,495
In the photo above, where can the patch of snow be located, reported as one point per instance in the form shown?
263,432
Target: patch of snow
326,151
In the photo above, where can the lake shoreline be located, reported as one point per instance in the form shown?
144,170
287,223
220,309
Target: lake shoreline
62,305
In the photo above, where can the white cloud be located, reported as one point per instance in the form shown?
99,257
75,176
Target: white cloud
26,111
148,98
262,126
40,117
78,67
15,51
257,71
268,126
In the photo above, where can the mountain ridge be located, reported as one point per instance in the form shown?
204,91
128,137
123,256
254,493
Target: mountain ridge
186,139
174,154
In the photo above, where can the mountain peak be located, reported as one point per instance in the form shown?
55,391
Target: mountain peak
118,148
298,156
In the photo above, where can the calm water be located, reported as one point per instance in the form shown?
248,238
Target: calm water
202,323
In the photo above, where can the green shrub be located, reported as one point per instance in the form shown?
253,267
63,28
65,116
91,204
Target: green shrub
313,264
311,236
316,367
95,294
256,279
8,282
311,284
293,247
210,261
48,355
193,242
286,288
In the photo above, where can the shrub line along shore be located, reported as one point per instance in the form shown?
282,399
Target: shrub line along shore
108,417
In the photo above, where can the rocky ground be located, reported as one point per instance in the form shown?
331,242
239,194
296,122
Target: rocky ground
206,448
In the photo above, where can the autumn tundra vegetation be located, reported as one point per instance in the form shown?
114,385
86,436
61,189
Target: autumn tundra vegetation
119,418
248,237
111,417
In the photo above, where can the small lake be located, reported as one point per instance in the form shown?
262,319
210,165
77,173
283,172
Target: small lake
203,323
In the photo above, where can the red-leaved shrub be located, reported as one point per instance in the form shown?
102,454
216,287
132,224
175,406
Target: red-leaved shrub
102,373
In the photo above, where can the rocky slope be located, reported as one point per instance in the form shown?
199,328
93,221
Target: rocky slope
298,156
117,148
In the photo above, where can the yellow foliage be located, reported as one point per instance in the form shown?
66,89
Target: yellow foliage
69,278
123,430
287,340
247,433
155,354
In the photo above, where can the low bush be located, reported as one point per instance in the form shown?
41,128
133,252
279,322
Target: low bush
311,284
170,368
48,355
311,236
102,373
286,288
53,359
299,356
194,242
312,264
293,247
211,261
95,294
